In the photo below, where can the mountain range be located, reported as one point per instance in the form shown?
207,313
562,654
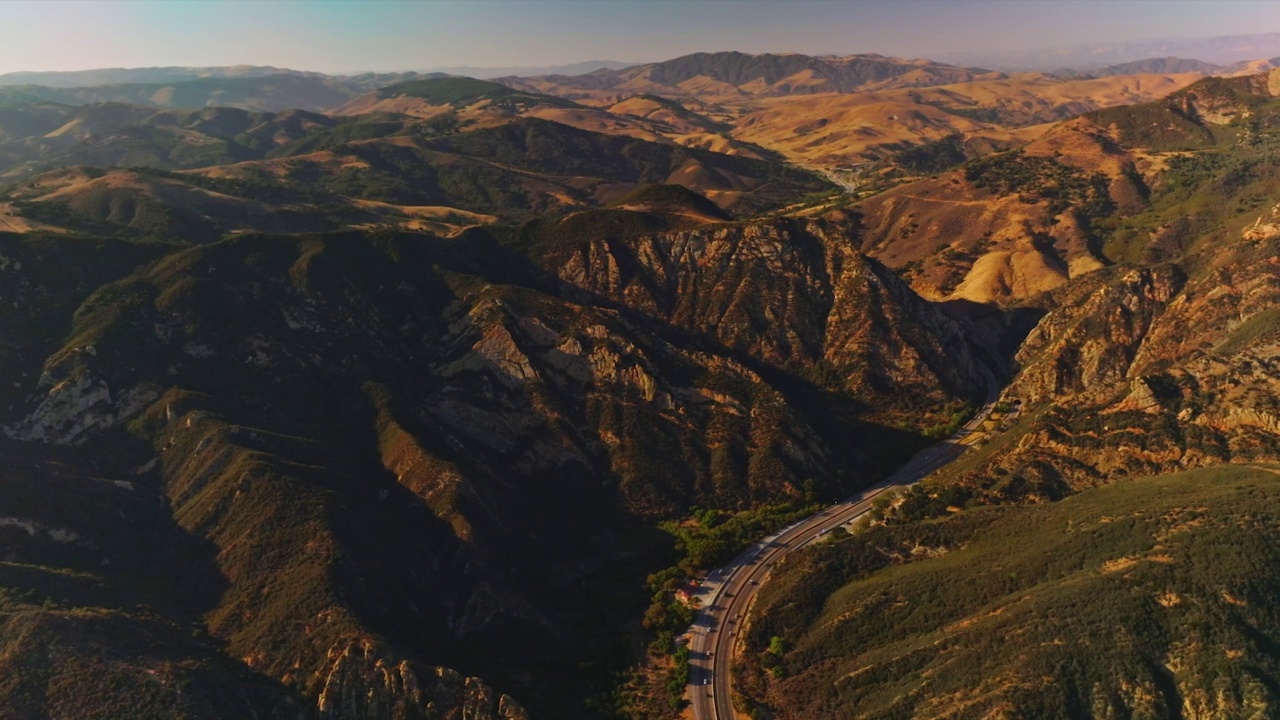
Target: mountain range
426,396
1221,50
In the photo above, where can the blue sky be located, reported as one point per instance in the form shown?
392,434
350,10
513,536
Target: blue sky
347,35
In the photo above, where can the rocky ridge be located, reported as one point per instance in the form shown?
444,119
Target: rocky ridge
355,393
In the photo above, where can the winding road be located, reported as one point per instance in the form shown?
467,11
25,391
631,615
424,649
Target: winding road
716,625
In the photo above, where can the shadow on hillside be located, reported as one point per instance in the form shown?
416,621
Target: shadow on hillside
872,450
1004,330
116,580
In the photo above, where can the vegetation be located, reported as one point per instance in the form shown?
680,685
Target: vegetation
674,198
957,415
460,91
1042,178
1049,611
1263,325
716,538
934,156
1179,122
1206,196
349,132
980,114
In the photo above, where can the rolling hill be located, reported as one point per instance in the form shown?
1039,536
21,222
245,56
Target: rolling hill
1008,226
527,166
735,76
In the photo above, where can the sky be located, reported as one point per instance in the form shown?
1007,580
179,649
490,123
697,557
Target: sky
338,36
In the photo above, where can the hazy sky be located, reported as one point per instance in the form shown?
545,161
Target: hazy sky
347,35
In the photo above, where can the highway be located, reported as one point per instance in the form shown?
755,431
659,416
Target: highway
716,625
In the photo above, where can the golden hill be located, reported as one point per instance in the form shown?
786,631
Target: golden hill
1009,226
842,129
828,130
734,77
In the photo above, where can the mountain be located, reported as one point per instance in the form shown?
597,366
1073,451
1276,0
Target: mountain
1253,67
1009,226
255,89
822,111
267,93
485,73
143,76
735,76
433,96
395,465
1145,440
1163,66
436,155
427,406
43,136
524,167
856,128
1220,50
835,111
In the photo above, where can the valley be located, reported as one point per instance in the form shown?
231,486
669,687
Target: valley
410,395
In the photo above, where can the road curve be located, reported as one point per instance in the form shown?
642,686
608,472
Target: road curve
716,625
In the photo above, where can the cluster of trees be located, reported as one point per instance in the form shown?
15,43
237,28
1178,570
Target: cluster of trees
957,415
717,537
1042,178
934,156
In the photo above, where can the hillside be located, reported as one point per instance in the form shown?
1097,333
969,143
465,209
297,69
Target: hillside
301,172
1128,184
733,76
424,98
426,394
1007,226
1162,65
1147,598
43,137
1162,359
263,94
1145,391
850,129
528,166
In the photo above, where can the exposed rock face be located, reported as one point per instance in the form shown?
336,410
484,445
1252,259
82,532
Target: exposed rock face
79,407
1148,371
1266,227
793,294
1093,340
402,689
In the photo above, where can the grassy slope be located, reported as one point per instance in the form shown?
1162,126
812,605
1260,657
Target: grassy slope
1150,596
100,601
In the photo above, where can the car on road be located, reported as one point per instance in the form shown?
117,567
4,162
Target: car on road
755,582
706,681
